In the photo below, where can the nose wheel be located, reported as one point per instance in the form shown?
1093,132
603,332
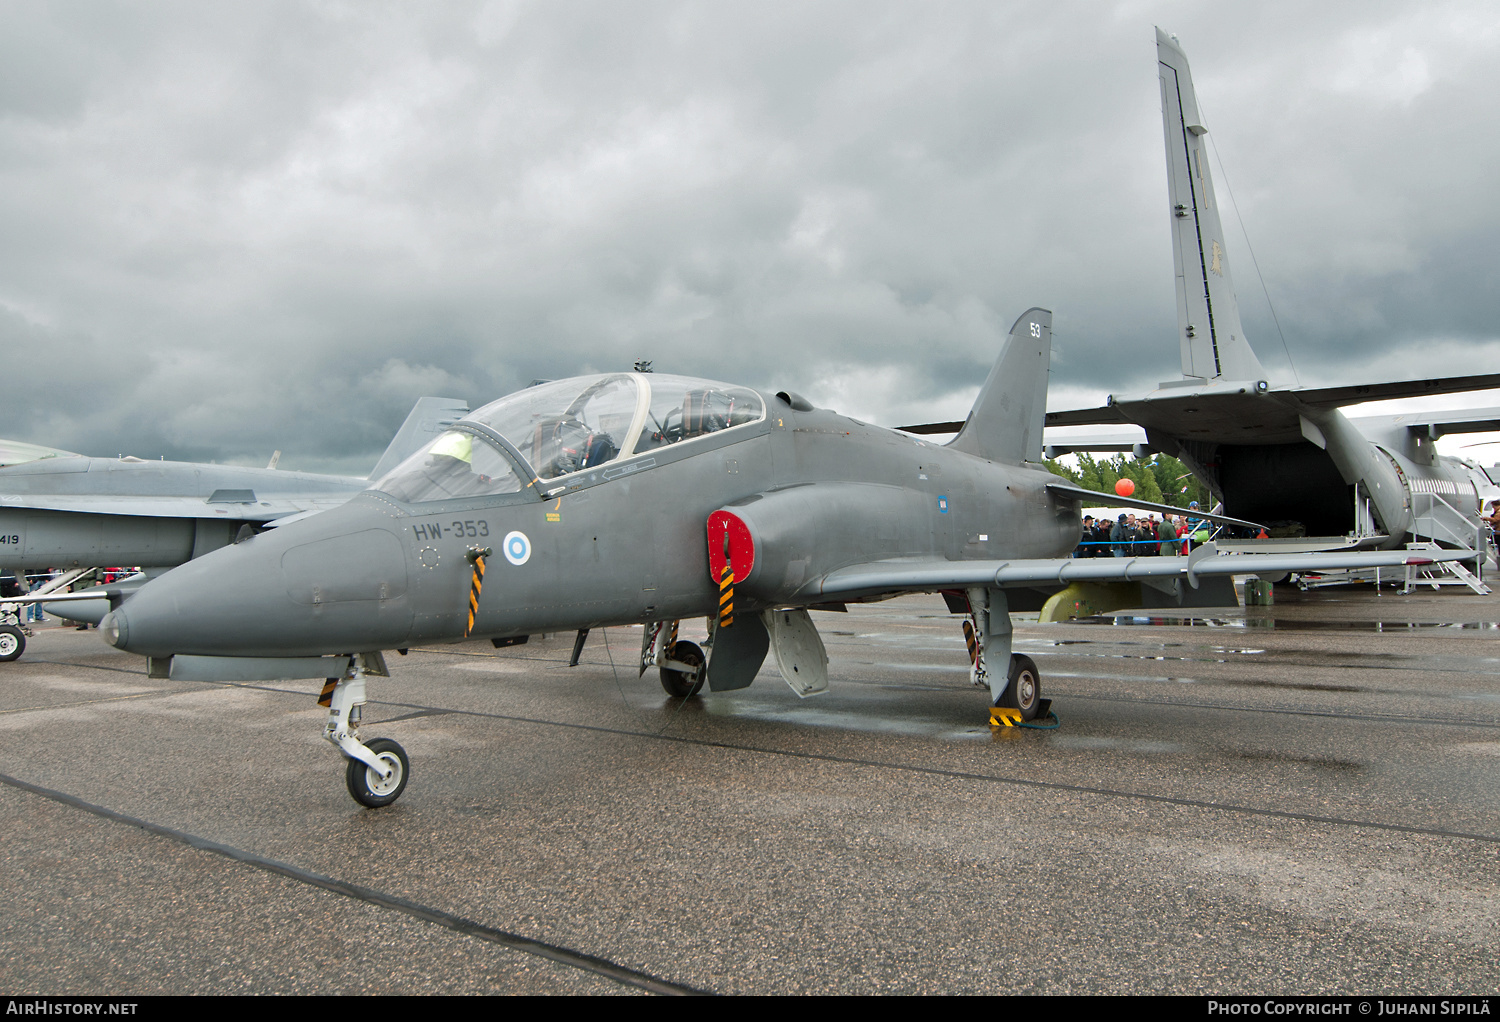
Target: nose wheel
376,773
369,788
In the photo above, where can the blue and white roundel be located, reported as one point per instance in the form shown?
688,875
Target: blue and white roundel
517,548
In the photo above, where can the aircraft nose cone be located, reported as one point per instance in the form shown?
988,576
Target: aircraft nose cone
320,586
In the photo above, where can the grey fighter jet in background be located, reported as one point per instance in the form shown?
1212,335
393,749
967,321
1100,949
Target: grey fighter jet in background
62,510
1273,453
649,498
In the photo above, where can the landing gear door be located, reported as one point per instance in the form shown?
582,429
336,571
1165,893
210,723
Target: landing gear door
799,651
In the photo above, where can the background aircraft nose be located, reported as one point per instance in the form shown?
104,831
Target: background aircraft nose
325,585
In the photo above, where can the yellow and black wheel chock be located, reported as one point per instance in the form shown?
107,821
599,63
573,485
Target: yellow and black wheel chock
1005,716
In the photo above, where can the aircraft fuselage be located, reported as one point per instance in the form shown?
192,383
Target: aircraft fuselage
623,544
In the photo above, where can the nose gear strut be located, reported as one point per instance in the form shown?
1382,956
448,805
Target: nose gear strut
377,773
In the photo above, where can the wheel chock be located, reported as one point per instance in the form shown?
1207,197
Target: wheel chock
1004,716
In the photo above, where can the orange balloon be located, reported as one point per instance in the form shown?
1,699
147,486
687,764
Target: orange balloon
1125,487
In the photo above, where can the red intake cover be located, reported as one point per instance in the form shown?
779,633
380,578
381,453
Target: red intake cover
741,546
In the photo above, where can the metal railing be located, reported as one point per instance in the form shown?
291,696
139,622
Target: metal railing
1434,518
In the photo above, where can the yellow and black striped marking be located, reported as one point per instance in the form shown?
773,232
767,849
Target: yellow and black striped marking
475,587
326,699
726,596
1001,716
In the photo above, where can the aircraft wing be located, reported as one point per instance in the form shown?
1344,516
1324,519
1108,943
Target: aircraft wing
1333,397
1107,415
1458,420
932,574
1222,412
174,507
1119,440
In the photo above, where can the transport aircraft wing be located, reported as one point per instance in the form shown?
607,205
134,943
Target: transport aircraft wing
1436,424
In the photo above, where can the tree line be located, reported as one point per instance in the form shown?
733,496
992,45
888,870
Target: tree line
1160,479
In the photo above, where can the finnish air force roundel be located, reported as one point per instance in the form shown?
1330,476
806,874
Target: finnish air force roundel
517,548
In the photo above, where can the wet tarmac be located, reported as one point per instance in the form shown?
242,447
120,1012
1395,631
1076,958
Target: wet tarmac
1307,807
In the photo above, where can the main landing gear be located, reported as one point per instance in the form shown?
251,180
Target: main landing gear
377,773
12,642
12,634
681,662
1024,691
1017,696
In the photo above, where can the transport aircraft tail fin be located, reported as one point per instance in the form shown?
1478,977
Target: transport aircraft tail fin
1005,424
429,417
1208,317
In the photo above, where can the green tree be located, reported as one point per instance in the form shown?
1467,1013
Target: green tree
1178,485
1088,473
1057,468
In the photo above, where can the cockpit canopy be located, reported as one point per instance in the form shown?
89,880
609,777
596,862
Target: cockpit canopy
570,426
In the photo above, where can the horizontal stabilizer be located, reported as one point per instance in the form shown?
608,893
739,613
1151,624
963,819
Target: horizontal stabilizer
928,428
1067,491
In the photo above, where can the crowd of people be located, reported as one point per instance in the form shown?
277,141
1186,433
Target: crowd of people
1142,536
19,583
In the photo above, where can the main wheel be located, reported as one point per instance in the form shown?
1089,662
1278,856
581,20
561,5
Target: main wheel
682,683
367,786
1024,692
12,643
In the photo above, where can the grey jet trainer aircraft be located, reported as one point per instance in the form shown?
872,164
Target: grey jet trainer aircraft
649,498
1271,452
63,510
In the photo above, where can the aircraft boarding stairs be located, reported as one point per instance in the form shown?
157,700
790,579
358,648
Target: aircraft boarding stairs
1436,525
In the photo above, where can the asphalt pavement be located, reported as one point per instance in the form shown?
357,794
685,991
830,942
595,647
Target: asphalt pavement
1303,800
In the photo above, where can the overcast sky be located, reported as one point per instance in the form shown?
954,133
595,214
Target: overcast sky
231,228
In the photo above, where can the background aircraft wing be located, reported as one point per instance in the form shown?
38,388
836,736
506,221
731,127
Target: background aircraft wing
1458,420
1107,415
1333,397
876,578
233,508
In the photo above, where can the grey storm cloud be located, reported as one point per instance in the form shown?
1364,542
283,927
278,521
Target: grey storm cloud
231,228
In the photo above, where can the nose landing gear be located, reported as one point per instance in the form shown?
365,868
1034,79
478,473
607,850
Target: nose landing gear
371,789
377,773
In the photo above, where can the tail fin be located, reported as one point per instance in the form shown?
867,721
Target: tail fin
1005,424
429,417
1208,318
